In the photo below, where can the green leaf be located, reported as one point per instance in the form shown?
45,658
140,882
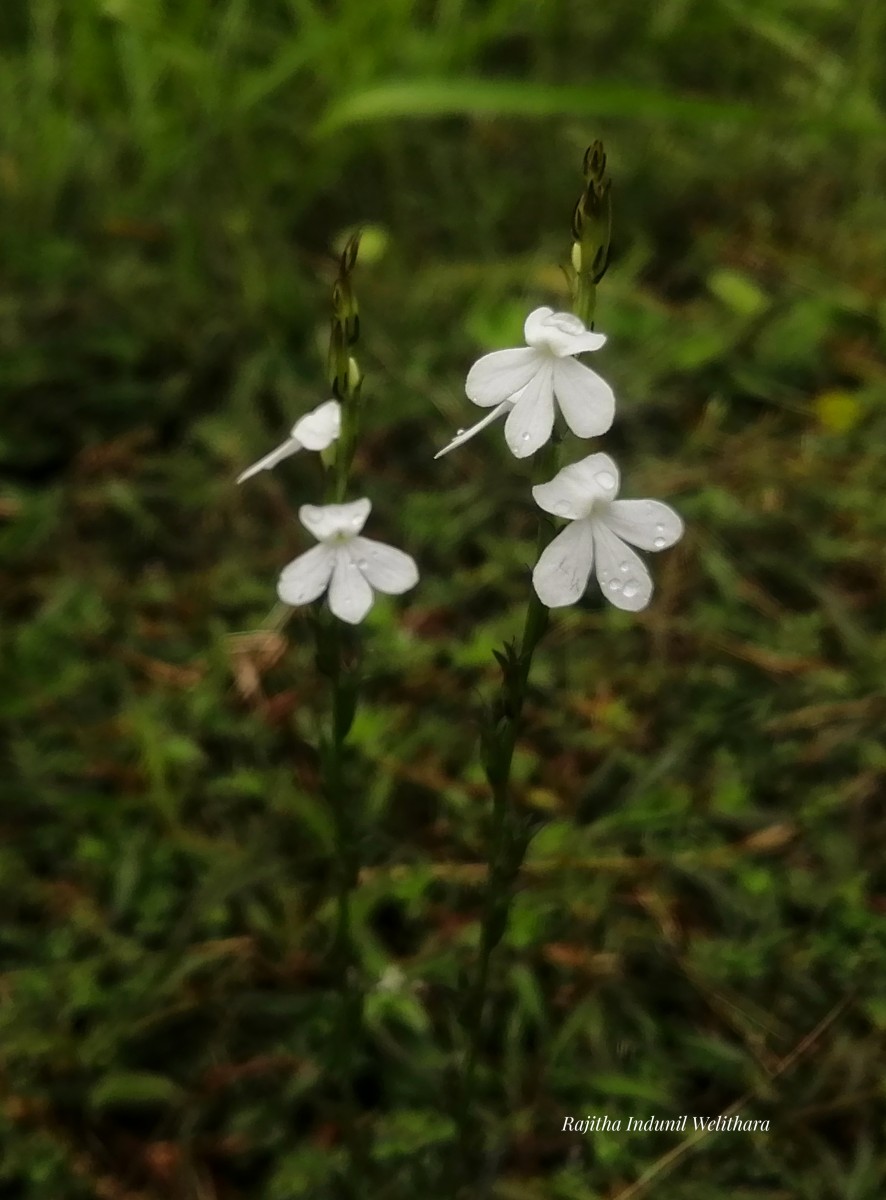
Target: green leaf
130,1089
420,98
625,1087
738,292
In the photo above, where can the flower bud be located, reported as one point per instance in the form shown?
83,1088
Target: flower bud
355,376
591,229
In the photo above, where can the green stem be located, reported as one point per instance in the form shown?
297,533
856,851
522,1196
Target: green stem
591,230
585,301
344,956
508,844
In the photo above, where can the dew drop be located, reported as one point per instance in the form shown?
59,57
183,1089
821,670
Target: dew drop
624,566
614,585
605,479
659,543
631,588
459,432
526,437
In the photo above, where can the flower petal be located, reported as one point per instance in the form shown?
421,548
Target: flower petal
531,420
467,434
562,572
621,573
648,524
586,401
328,520
575,489
318,429
290,446
350,596
498,376
564,496
579,343
534,325
307,576
387,569
560,333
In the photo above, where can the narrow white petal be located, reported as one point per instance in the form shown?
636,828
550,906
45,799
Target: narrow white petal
562,572
327,520
350,596
621,573
318,429
290,446
531,420
586,401
498,376
648,524
307,576
467,434
387,569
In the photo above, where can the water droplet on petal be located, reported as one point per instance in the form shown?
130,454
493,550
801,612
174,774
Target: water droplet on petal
526,437
459,432
659,543
659,529
624,566
605,479
631,588
614,585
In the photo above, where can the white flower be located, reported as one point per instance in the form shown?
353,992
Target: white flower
314,431
584,494
525,382
348,564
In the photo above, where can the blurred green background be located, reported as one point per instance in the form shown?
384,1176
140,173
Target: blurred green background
708,885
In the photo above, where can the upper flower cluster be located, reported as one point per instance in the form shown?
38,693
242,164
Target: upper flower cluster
527,383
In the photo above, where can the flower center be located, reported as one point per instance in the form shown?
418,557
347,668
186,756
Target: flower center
598,507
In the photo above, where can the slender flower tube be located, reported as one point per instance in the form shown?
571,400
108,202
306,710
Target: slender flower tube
314,431
601,526
526,382
349,565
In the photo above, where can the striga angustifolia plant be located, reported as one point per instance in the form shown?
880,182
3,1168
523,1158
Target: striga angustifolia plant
592,533
528,386
349,569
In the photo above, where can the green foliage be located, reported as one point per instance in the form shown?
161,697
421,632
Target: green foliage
706,883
